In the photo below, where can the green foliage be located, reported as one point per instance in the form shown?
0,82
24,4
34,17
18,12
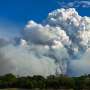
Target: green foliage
7,80
51,82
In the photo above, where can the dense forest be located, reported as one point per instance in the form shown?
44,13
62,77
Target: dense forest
50,82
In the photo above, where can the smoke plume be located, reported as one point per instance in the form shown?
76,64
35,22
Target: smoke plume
59,45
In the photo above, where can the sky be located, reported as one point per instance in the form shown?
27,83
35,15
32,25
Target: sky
61,43
14,14
20,11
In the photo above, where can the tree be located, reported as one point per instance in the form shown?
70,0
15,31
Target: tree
9,80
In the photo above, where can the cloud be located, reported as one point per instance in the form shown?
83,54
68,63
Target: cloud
59,45
80,66
24,62
75,4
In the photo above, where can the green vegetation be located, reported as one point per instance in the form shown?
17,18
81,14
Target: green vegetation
51,82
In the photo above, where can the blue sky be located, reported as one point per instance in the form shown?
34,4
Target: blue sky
18,12
22,10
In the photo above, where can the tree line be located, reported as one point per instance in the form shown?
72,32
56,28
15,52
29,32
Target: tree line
50,82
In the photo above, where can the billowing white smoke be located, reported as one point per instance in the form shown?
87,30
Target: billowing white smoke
54,47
